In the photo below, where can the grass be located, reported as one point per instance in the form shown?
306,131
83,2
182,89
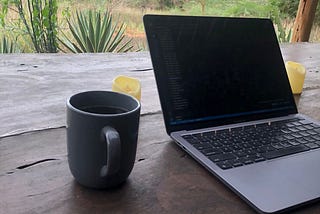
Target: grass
254,8
315,34
132,16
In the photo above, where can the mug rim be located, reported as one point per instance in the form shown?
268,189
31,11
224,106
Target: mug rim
72,107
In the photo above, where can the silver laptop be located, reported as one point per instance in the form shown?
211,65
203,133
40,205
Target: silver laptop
227,101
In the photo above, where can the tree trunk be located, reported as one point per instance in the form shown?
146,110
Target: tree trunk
304,20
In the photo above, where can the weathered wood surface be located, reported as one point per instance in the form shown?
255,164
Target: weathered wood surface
164,179
34,87
304,20
34,174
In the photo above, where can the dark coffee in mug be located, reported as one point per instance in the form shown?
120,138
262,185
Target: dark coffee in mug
103,109
102,133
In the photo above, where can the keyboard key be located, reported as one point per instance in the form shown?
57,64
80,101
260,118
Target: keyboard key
200,146
259,159
301,128
285,144
316,137
236,163
296,123
290,125
315,126
211,151
266,148
311,132
216,144
222,157
224,165
293,142
308,127
301,140
241,153
285,151
293,129
226,149
296,135
304,134
277,145
246,160
280,138
309,139
305,122
312,145
289,137
286,131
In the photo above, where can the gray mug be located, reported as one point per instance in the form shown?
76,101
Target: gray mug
102,132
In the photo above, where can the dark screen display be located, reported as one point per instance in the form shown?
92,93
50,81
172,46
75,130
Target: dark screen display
217,68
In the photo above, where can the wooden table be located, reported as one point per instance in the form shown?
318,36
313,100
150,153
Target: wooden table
34,174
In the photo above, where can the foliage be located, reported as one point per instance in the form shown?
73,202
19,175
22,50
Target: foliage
254,8
6,46
247,8
263,8
157,4
275,15
290,7
95,32
282,12
40,21
3,11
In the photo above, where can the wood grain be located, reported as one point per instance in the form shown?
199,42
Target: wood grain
34,173
164,179
34,87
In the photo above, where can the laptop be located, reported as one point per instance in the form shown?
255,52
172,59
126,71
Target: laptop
226,100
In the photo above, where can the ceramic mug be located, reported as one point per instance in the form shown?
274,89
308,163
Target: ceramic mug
102,132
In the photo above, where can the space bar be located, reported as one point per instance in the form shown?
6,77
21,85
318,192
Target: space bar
285,151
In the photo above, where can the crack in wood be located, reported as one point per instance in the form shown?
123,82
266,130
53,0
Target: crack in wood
7,135
184,155
142,69
311,88
35,163
151,113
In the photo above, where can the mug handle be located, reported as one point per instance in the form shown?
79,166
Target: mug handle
113,159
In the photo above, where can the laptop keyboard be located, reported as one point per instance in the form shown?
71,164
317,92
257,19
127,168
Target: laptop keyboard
245,145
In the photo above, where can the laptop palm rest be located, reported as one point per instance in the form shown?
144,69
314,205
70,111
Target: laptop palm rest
286,175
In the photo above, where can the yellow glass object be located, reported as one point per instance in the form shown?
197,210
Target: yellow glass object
296,74
127,85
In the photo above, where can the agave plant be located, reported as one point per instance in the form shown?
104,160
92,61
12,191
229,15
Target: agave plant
7,46
93,32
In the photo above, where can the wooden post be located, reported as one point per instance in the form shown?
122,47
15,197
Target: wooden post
304,20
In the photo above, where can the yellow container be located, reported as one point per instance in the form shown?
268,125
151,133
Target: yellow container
296,74
127,85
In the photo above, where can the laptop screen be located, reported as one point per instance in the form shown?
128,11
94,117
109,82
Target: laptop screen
214,70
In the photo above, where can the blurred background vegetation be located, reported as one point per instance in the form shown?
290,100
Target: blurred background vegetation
50,25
